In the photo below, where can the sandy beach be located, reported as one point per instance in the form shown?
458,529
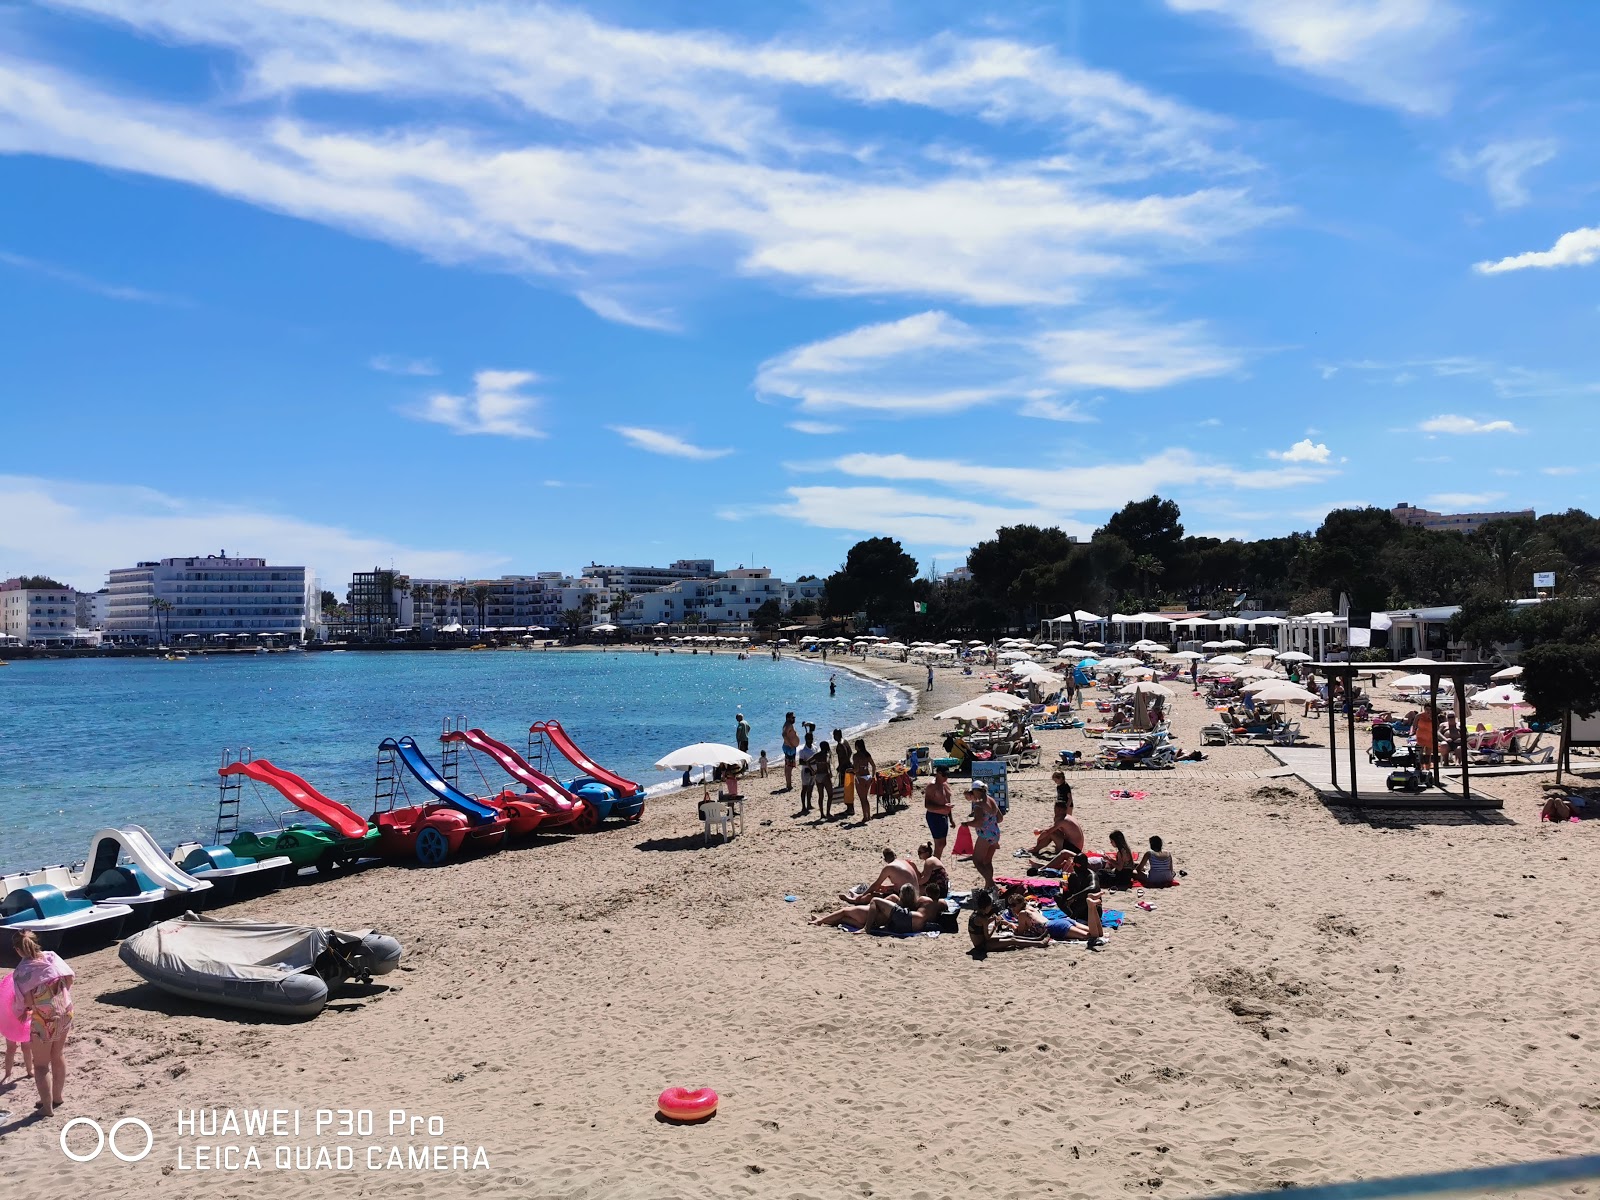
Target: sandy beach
1323,998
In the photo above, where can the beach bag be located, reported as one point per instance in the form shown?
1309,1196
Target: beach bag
963,840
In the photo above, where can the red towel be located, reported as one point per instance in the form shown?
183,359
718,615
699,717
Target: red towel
963,840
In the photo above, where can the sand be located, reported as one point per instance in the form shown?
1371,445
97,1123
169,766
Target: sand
1324,998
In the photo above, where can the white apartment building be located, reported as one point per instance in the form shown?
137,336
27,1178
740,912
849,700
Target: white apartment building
729,599
510,602
631,581
211,597
93,609
37,615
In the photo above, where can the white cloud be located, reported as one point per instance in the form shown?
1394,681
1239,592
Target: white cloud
85,283
1389,52
1504,164
688,149
498,406
920,520
1465,499
614,308
78,531
933,363
656,442
393,364
1558,470
815,428
1451,423
1303,451
1580,248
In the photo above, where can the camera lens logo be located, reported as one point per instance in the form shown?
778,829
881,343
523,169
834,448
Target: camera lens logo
104,1139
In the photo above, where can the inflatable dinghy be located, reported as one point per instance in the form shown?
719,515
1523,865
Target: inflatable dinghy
287,970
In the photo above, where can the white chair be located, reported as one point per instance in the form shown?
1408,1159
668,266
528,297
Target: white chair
715,812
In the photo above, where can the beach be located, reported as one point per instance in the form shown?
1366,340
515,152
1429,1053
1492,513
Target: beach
1323,998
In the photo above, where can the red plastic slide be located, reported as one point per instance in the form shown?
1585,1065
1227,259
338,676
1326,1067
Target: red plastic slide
514,765
301,794
558,738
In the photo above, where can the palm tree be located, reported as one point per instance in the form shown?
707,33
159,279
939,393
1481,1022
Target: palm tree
480,596
1147,567
160,610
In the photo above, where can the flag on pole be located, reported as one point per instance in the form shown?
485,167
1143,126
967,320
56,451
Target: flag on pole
919,606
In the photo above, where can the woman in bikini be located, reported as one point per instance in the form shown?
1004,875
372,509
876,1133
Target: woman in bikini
1117,871
985,822
930,871
43,996
861,762
989,933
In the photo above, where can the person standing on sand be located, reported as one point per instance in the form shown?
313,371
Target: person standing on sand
791,744
936,805
42,995
862,764
741,732
985,822
930,677
841,762
808,777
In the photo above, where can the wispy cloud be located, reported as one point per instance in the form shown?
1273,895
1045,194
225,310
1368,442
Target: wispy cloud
933,363
1559,470
394,364
611,307
656,442
76,531
815,428
1504,164
1451,423
1580,248
1303,451
1396,53
1507,381
498,406
82,282
635,148
1465,499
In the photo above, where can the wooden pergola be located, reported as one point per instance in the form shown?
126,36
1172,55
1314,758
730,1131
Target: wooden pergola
1455,672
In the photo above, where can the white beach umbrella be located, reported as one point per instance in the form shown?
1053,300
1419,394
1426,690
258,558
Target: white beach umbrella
1231,644
1045,646
1504,696
1072,642
1095,645
1138,671
1225,660
1255,673
1410,683
1150,688
1294,656
1507,673
975,642
1211,645
1416,661
1284,693
972,710
1262,652
1001,701
1188,654
702,754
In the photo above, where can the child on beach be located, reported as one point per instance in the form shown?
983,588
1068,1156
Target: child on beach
1117,871
761,764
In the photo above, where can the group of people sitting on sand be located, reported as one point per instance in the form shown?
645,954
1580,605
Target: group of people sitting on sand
906,897
1058,847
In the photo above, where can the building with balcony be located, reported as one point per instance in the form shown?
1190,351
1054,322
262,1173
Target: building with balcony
731,598
35,611
632,581
210,598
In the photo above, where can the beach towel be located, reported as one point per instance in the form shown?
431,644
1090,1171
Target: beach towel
12,1027
1125,794
34,973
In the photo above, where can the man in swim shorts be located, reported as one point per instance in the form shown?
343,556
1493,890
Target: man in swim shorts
936,802
791,746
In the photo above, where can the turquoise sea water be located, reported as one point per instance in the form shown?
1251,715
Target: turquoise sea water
87,743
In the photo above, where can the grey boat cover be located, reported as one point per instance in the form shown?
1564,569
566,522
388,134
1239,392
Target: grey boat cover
247,964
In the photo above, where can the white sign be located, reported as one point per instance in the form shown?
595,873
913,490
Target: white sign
1544,579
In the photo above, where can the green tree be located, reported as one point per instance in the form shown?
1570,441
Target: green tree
480,600
1150,527
768,615
1345,555
572,620
1146,567
998,563
877,579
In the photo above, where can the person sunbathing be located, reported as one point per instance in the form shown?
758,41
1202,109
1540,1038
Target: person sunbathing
1030,921
897,872
1557,808
989,933
907,913
850,914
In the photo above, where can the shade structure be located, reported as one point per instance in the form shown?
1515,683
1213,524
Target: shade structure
1407,683
1507,673
702,754
1231,644
1188,654
1294,656
1095,645
1138,671
1146,687
1225,660
1261,652
1211,645
1415,661
1255,673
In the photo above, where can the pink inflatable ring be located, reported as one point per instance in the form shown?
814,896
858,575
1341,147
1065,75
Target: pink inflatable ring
687,1104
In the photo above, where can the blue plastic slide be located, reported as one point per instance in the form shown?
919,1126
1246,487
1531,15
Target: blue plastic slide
406,749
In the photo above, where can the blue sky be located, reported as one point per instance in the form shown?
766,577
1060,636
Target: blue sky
493,287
